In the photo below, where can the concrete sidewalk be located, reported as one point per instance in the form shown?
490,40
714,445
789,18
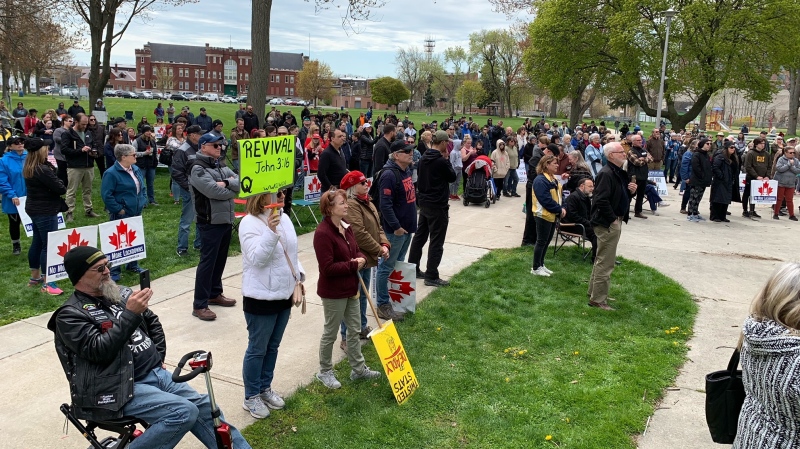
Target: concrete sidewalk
722,265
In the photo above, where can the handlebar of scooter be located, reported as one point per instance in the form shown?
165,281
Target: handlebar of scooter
176,375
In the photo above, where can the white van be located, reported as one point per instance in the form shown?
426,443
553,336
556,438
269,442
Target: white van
210,97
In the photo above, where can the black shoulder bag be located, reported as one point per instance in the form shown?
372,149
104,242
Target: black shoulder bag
724,399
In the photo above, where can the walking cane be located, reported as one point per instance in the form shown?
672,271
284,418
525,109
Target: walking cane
369,301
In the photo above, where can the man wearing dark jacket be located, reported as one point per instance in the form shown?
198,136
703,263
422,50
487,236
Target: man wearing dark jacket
579,206
434,177
76,146
756,167
332,166
181,165
204,121
75,109
146,160
250,119
380,152
112,349
638,158
610,207
700,179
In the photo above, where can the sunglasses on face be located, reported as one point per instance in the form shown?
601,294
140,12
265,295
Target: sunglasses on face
215,145
102,268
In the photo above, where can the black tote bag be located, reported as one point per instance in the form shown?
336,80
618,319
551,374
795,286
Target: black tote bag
724,399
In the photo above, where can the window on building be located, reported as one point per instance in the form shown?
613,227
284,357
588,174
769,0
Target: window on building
142,83
291,91
291,79
180,73
286,91
170,71
215,87
154,71
272,78
141,60
141,70
286,79
246,61
241,76
202,74
153,84
195,85
247,77
202,86
180,85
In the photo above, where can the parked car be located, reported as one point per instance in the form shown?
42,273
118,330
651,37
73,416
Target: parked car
209,97
110,93
146,94
189,95
159,96
303,103
242,99
228,99
48,90
178,97
290,102
276,100
127,94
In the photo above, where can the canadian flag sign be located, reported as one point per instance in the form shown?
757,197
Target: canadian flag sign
742,183
26,220
59,242
763,192
402,287
122,241
312,188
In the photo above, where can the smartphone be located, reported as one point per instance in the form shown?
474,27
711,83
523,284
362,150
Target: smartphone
144,279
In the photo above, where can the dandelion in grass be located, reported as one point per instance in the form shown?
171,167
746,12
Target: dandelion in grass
548,437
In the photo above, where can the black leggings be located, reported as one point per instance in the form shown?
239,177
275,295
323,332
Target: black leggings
14,227
544,233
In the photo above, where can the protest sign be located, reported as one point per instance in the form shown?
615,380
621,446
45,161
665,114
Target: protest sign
266,164
59,242
26,220
402,287
122,241
522,173
763,192
395,361
660,180
312,188
742,183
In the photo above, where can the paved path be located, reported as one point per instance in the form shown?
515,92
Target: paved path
721,265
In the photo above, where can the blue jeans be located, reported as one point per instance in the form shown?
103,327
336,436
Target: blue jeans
116,270
37,253
264,337
365,274
174,187
187,217
670,168
172,409
397,252
150,178
366,167
511,181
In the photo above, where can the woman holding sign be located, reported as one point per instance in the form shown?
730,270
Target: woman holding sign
339,261
269,245
123,192
43,204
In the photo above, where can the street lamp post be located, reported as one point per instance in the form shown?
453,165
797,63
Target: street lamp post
669,14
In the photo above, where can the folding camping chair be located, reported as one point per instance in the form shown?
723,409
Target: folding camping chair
573,237
237,215
310,205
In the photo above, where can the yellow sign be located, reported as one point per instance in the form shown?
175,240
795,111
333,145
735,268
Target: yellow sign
395,361
266,164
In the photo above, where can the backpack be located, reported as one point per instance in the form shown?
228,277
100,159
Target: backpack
166,156
374,189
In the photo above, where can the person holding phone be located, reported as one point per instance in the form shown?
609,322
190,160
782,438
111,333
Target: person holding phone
269,245
123,191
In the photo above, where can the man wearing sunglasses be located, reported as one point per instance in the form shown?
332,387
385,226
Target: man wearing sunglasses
112,349
213,189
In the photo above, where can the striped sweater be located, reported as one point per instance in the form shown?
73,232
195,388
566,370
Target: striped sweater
770,358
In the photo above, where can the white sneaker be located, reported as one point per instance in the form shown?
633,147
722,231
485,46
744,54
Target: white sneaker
271,399
549,271
328,378
655,212
366,373
540,272
663,204
256,408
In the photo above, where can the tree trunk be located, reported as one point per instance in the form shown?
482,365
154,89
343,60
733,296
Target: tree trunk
554,106
575,111
101,21
259,38
794,100
703,119
6,80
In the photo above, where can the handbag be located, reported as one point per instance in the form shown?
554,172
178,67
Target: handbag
724,398
299,293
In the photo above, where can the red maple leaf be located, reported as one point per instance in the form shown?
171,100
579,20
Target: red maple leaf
765,189
314,185
369,183
73,240
398,287
124,237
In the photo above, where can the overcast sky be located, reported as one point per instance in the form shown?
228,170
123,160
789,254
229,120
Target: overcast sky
370,53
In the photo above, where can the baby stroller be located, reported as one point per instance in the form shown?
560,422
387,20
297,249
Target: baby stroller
480,185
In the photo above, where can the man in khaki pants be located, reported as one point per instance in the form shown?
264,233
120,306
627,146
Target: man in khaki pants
76,146
610,207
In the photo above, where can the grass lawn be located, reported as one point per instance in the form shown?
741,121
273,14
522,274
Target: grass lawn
161,236
507,364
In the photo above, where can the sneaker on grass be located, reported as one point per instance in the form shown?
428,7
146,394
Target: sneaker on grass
328,378
540,272
52,289
366,373
256,407
549,271
271,399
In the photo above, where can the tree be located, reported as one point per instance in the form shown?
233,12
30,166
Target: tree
794,99
388,90
315,81
354,11
102,18
500,52
164,78
445,81
411,70
468,93
709,49
428,101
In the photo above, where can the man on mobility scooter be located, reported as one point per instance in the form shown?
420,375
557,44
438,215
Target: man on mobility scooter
112,349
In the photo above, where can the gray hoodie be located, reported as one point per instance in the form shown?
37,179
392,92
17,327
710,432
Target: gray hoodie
786,171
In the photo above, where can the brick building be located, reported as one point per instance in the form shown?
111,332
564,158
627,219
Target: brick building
224,71
121,78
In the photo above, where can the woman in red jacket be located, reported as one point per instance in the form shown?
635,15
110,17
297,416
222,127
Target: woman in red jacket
339,261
